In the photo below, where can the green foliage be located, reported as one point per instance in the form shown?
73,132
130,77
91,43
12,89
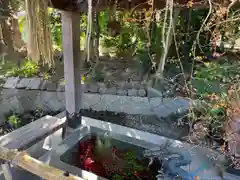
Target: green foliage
17,5
143,60
131,158
132,166
213,116
117,177
189,23
56,28
103,21
212,83
46,76
19,120
110,41
96,76
215,77
140,38
21,22
29,69
14,121
126,41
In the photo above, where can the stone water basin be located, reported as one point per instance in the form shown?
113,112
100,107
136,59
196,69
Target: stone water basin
196,161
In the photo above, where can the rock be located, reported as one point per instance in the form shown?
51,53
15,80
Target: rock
86,88
121,92
60,87
61,97
51,86
23,83
54,104
27,99
35,83
93,88
124,75
5,94
142,92
5,109
44,85
101,85
102,90
16,105
137,78
27,116
112,91
137,85
132,92
164,107
11,82
128,70
151,92
126,85
108,74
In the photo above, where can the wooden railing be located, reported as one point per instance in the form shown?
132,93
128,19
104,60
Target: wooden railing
14,144
30,134
25,161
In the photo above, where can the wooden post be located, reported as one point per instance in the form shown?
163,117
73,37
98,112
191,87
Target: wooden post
72,65
7,171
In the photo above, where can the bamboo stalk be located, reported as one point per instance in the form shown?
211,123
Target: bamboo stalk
25,161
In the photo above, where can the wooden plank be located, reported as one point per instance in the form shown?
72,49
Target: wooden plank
122,5
23,160
30,134
7,171
72,66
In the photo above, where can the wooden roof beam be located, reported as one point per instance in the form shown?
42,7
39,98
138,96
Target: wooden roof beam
100,5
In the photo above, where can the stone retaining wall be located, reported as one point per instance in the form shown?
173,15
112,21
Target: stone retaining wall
124,89
20,95
101,88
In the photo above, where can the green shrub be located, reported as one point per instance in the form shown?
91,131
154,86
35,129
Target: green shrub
14,121
29,69
212,84
215,77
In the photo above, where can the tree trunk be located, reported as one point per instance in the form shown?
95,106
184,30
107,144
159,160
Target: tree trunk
168,43
17,37
90,51
187,45
96,41
5,24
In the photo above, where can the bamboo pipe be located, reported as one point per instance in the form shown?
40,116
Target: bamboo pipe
25,161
